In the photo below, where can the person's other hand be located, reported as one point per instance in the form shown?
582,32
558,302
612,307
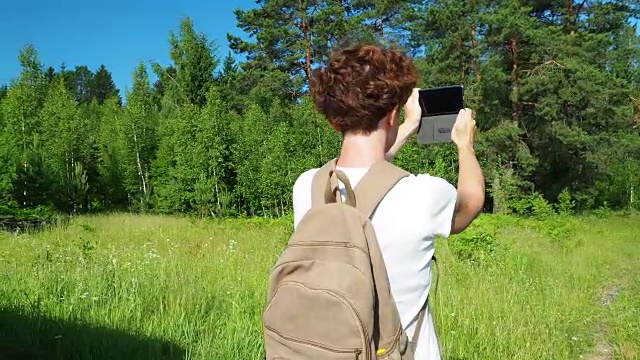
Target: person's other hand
464,129
412,111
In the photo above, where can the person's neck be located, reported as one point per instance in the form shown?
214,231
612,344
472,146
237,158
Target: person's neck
362,151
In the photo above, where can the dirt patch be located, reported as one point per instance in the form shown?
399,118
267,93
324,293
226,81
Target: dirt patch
609,296
603,350
14,224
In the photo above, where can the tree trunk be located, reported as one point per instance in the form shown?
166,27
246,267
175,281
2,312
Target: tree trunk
571,17
496,190
24,163
474,44
572,12
307,51
215,178
141,173
516,106
307,68
463,65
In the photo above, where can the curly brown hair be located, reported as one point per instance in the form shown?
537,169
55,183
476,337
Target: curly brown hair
362,84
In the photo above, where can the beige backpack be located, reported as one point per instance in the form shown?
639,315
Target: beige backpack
329,295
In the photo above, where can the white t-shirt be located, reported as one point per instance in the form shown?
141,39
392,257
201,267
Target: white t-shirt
417,209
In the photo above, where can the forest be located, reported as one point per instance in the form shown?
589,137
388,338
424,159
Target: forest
555,84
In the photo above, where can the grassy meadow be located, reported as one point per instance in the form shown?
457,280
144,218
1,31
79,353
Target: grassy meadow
150,287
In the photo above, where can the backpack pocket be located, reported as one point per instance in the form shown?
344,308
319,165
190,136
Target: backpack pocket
306,323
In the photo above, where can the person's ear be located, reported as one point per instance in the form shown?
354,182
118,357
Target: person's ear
392,117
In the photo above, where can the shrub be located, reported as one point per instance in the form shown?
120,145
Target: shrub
478,243
566,204
532,205
603,211
560,230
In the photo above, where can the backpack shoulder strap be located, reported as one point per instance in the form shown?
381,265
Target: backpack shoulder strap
381,177
325,187
370,191
321,179
375,185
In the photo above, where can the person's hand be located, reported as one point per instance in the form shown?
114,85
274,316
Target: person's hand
412,117
464,129
412,111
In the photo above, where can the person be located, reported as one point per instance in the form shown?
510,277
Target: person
360,92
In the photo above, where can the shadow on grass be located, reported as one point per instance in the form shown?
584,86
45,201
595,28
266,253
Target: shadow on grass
38,338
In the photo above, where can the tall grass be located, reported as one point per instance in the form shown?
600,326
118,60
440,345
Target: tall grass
545,290
153,287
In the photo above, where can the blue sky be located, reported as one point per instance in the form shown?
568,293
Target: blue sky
116,33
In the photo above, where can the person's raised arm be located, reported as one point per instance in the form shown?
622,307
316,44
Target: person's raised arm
471,186
471,189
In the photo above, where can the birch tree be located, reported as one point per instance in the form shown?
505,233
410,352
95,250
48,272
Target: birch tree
139,129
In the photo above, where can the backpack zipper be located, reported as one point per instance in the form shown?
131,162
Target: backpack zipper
311,343
326,243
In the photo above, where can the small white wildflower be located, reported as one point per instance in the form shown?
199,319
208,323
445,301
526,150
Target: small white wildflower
231,247
152,254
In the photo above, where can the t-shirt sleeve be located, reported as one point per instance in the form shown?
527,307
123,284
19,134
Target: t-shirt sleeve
302,196
442,197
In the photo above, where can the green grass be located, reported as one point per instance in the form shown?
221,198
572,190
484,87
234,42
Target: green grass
151,287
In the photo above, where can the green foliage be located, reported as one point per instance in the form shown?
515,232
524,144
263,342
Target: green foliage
77,186
475,246
112,161
561,231
554,84
204,196
8,164
603,211
194,61
533,205
565,204
36,213
478,244
138,138
4,89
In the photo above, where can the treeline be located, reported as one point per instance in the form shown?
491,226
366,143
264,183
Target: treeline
555,85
